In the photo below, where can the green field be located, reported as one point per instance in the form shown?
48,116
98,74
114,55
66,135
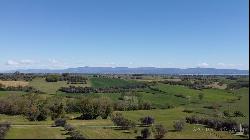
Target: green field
50,87
35,131
6,93
108,82
161,96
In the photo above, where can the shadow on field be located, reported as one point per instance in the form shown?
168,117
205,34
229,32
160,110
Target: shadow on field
172,131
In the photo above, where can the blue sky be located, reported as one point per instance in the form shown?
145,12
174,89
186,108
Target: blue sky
133,33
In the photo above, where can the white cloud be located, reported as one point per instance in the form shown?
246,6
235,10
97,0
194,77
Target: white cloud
223,65
56,64
24,62
110,64
27,62
12,63
204,64
53,61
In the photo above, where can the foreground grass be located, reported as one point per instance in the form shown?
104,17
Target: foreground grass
6,93
38,132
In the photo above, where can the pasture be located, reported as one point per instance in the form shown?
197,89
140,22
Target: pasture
168,102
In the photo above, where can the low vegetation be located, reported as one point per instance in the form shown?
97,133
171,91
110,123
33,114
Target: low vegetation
81,106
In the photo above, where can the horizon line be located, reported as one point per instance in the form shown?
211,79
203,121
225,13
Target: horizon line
120,67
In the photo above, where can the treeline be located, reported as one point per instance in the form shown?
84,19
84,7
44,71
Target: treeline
238,84
198,84
17,76
20,88
70,78
36,108
126,88
128,106
218,125
32,106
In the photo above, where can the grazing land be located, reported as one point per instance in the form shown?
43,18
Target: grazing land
86,111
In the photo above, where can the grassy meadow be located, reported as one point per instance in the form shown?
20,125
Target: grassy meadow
166,95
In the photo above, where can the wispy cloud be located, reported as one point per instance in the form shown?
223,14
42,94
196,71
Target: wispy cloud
56,63
224,65
24,62
204,64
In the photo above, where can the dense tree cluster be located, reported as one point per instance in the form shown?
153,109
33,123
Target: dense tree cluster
30,105
73,78
127,88
52,78
91,108
238,85
219,125
17,76
70,78
20,88
56,107
197,84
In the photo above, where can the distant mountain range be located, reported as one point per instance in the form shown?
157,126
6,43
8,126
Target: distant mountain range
139,70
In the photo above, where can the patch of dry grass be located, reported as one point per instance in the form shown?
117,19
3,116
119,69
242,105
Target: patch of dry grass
14,83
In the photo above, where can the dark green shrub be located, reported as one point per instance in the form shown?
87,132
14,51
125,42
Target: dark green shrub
145,133
122,122
147,120
4,127
60,122
238,114
179,125
52,78
76,135
159,131
69,127
188,110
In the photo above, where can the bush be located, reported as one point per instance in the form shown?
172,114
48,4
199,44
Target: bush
188,110
238,114
159,131
69,127
222,125
246,129
179,125
145,106
37,112
60,122
52,78
201,96
147,120
92,108
226,113
56,107
76,135
4,127
124,123
145,133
